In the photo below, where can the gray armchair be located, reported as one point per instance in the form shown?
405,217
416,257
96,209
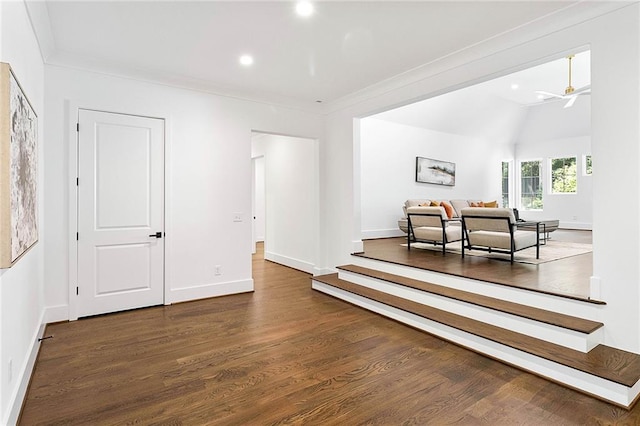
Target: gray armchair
494,230
430,225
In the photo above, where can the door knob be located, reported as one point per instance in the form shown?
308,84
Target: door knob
157,234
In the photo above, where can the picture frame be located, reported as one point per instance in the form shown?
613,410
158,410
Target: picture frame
435,172
18,170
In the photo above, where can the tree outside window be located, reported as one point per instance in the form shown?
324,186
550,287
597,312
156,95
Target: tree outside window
588,165
505,184
564,175
531,185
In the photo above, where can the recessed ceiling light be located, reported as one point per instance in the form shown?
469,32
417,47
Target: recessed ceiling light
304,8
515,86
246,60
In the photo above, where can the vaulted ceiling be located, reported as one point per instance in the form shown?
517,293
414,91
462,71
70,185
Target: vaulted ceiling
497,109
344,47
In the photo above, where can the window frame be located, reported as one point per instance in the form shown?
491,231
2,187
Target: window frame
584,164
510,183
550,174
541,175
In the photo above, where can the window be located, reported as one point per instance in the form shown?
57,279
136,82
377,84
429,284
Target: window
564,175
588,166
531,185
505,184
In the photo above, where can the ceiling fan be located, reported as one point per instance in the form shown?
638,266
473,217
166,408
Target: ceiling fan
570,94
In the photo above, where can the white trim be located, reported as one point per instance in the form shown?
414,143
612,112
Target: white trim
168,198
558,335
511,182
546,301
584,165
550,174
372,234
55,314
586,226
20,392
323,271
206,291
73,114
72,141
518,181
291,262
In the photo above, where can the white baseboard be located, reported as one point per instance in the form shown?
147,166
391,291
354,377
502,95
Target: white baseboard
298,264
323,271
210,290
24,376
56,314
372,234
575,225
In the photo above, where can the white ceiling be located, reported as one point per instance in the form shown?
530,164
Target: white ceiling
344,47
492,107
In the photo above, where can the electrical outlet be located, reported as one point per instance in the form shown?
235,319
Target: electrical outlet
217,270
10,371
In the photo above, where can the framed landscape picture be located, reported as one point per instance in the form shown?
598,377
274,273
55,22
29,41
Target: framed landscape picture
18,170
435,171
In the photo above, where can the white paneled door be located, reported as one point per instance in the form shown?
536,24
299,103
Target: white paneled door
120,212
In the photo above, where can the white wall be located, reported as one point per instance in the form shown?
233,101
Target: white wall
615,58
388,154
21,287
291,199
208,164
575,211
552,131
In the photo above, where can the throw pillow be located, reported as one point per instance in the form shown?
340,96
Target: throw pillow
434,204
447,208
491,204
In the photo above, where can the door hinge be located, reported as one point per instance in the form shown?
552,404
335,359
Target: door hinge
77,236
77,291
77,127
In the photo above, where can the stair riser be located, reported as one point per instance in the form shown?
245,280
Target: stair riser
512,294
601,388
557,335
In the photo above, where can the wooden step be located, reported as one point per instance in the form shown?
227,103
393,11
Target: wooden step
604,362
548,317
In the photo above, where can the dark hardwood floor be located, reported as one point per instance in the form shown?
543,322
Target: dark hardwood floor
284,354
569,277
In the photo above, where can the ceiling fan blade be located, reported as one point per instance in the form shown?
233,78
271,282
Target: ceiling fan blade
583,89
572,100
553,95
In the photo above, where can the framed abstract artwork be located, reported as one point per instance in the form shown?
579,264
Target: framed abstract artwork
435,171
18,170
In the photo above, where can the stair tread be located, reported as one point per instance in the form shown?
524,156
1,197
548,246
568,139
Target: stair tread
548,317
602,361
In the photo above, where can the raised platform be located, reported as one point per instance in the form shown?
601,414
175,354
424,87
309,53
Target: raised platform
567,278
557,337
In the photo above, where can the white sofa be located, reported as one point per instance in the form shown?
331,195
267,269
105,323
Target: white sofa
457,205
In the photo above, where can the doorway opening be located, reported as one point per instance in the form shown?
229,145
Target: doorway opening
285,198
